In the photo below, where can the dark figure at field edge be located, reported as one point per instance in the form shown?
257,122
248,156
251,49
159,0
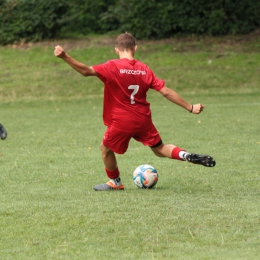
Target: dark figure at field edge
3,133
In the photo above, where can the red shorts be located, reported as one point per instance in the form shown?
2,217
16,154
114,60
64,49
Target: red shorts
118,140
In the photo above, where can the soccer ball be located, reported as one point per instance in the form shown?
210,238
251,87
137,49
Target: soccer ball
145,176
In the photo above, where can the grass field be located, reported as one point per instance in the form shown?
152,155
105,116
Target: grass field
51,159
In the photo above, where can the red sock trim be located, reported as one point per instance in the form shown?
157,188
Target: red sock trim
175,153
112,174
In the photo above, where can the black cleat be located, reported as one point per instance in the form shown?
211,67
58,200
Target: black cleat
204,160
3,133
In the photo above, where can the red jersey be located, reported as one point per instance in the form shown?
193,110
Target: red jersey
126,83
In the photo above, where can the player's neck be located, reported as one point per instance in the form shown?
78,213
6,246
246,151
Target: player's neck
126,55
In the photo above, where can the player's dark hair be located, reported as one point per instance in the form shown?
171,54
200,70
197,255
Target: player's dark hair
125,41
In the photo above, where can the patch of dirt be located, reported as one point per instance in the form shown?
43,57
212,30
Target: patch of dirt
68,44
180,43
210,43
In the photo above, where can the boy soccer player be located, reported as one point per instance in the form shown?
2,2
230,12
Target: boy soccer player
3,133
126,112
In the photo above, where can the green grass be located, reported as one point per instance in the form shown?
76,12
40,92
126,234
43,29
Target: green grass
51,159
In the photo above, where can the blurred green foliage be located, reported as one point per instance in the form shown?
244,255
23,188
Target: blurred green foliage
31,20
159,19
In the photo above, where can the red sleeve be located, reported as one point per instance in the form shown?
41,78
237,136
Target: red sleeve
156,84
104,70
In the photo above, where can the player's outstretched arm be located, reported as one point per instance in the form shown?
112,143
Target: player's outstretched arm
76,65
178,100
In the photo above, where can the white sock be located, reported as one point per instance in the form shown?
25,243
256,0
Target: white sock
182,155
116,181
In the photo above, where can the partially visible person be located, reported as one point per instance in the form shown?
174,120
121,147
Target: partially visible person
3,133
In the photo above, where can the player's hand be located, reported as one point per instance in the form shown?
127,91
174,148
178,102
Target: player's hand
59,51
197,108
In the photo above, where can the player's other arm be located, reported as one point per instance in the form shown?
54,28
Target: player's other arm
178,100
76,65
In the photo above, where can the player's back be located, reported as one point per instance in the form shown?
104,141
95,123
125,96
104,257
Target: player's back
126,84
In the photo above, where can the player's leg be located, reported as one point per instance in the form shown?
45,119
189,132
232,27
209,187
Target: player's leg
108,157
151,137
3,133
174,152
114,141
111,169
163,150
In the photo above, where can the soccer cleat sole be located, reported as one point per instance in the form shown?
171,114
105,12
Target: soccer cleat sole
204,160
108,186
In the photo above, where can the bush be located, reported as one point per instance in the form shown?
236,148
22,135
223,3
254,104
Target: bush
158,19
35,20
84,17
30,20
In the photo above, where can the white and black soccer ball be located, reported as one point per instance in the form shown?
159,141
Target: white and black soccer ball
145,176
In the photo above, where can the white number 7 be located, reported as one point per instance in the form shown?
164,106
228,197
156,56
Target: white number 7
135,90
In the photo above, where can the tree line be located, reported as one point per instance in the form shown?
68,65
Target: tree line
36,20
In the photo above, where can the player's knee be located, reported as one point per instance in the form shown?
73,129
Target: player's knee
104,150
101,146
157,152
